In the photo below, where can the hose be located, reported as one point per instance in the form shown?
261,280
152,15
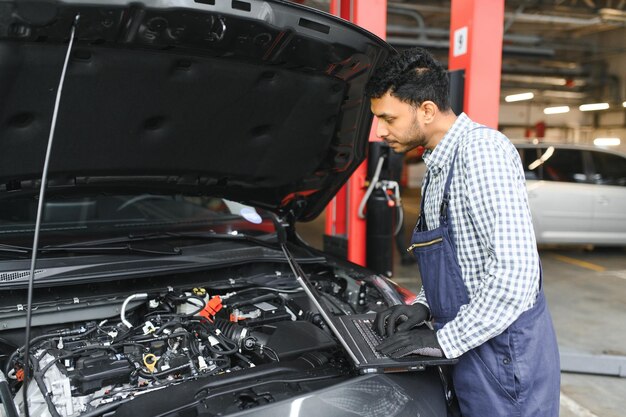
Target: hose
6,398
35,340
148,375
371,187
140,296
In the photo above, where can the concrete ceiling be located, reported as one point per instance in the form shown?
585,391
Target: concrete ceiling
566,51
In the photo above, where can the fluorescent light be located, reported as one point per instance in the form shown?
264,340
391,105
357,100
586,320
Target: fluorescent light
556,110
606,141
518,97
594,106
612,15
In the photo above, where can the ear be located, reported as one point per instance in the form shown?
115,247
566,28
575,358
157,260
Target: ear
429,111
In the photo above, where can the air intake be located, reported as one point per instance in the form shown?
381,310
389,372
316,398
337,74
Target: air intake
15,275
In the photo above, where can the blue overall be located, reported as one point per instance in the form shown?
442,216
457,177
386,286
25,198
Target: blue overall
513,374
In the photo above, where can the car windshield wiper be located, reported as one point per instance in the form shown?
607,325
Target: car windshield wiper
112,249
14,249
123,244
166,236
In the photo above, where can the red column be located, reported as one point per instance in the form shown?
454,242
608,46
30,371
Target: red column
476,30
336,213
371,15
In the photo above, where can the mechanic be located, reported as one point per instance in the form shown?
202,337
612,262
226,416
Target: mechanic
475,248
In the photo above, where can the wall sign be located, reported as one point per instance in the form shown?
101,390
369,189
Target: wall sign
460,41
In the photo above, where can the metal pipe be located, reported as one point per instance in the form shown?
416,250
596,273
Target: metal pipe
551,19
414,14
445,33
445,44
537,70
520,17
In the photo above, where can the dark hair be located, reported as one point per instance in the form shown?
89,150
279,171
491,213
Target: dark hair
413,76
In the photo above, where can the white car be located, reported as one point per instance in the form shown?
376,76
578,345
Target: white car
577,194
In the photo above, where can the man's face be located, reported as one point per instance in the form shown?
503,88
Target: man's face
398,123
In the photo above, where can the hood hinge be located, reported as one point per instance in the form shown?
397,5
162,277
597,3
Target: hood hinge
294,210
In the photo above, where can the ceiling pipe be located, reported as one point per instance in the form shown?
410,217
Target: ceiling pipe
559,20
506,83
539,70
445,33
510,50
413,14
519,17
514,38
547,80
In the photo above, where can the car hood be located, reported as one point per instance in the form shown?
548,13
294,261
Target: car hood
255,101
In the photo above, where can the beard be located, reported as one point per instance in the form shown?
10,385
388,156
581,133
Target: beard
410,139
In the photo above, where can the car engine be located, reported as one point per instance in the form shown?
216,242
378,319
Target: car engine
168,337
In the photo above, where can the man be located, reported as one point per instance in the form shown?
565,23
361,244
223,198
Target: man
475,248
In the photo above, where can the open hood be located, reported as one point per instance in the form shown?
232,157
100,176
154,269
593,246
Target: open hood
255,101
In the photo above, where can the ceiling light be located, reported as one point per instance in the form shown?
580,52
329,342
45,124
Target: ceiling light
612,15
606,141
556,110
594,106
624,104
519,97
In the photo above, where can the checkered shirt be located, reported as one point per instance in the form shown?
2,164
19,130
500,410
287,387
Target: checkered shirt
491,226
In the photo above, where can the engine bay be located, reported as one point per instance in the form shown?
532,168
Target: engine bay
208,334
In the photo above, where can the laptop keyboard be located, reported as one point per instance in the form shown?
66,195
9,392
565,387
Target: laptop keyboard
364,326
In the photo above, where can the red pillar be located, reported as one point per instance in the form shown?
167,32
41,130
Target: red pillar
476,30
341,214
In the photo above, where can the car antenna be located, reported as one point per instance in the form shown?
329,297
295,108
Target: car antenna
40,206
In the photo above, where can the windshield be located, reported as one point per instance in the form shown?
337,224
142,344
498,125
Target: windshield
71,219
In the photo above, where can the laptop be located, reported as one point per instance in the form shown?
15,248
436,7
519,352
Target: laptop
358,337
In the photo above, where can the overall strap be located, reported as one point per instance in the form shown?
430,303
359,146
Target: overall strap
421,221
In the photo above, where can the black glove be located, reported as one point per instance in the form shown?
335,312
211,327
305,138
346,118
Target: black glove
408,316
417,341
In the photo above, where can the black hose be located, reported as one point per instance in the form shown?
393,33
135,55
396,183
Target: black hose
194,369
7,368
170,323
193,346
148,375
246,360
7,398
264,297
229,329
186,298
64,333
228,351
144,338
269,349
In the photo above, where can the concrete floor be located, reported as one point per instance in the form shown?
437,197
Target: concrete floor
586,292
